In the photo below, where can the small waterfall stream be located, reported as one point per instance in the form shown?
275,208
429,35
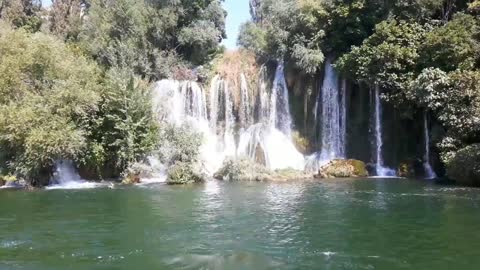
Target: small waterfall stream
279,107
330,113
65,176
429,172
380,168
333,115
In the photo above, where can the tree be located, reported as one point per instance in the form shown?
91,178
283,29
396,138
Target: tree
36,69
388,58
452,45
22,13
142,34
66,17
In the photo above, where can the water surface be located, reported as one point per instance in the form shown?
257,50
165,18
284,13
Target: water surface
344,224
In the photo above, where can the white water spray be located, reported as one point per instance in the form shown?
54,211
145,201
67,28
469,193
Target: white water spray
66,176
429,172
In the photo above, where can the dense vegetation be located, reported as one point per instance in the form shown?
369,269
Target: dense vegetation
75,80
423,54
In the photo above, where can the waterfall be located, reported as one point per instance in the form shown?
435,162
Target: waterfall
264,136
65,176
333,115
246,112
380,168
331,103
429,172
269,140
279,107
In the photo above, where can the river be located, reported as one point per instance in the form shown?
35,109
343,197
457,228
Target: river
342,224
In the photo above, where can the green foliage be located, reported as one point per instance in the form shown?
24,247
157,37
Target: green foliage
56,105
387,58
182,173
254,38
453,45
289,29
22,13
429,89
465,165
150,36
179,144
453,97
66,18
124,130
48,95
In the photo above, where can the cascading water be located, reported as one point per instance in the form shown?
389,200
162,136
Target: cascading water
429,172
268,140
246,111
270,137
65,176
331,103
333,115
380,169
279,107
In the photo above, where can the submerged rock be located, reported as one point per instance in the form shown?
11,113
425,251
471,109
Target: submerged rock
247,170
343,168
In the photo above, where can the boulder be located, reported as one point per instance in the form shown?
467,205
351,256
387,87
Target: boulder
410,169
343,168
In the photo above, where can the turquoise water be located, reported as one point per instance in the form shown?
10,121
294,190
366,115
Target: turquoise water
344,224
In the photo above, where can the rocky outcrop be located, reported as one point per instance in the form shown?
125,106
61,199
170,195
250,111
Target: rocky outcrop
343,168
247,170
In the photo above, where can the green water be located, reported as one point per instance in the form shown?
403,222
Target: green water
346,224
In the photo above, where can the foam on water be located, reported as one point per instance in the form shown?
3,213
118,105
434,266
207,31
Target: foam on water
66,177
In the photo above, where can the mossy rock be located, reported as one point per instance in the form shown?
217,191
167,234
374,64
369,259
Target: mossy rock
406,169
131,179
182,173
343,168
5,179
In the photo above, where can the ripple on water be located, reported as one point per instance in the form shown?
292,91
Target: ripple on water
236,260
11,244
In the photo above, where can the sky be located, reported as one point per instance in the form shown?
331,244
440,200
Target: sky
238,13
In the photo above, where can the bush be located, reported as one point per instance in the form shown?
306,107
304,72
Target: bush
464,167
182,173
179,144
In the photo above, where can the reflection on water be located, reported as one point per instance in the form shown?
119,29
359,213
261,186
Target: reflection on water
344,224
